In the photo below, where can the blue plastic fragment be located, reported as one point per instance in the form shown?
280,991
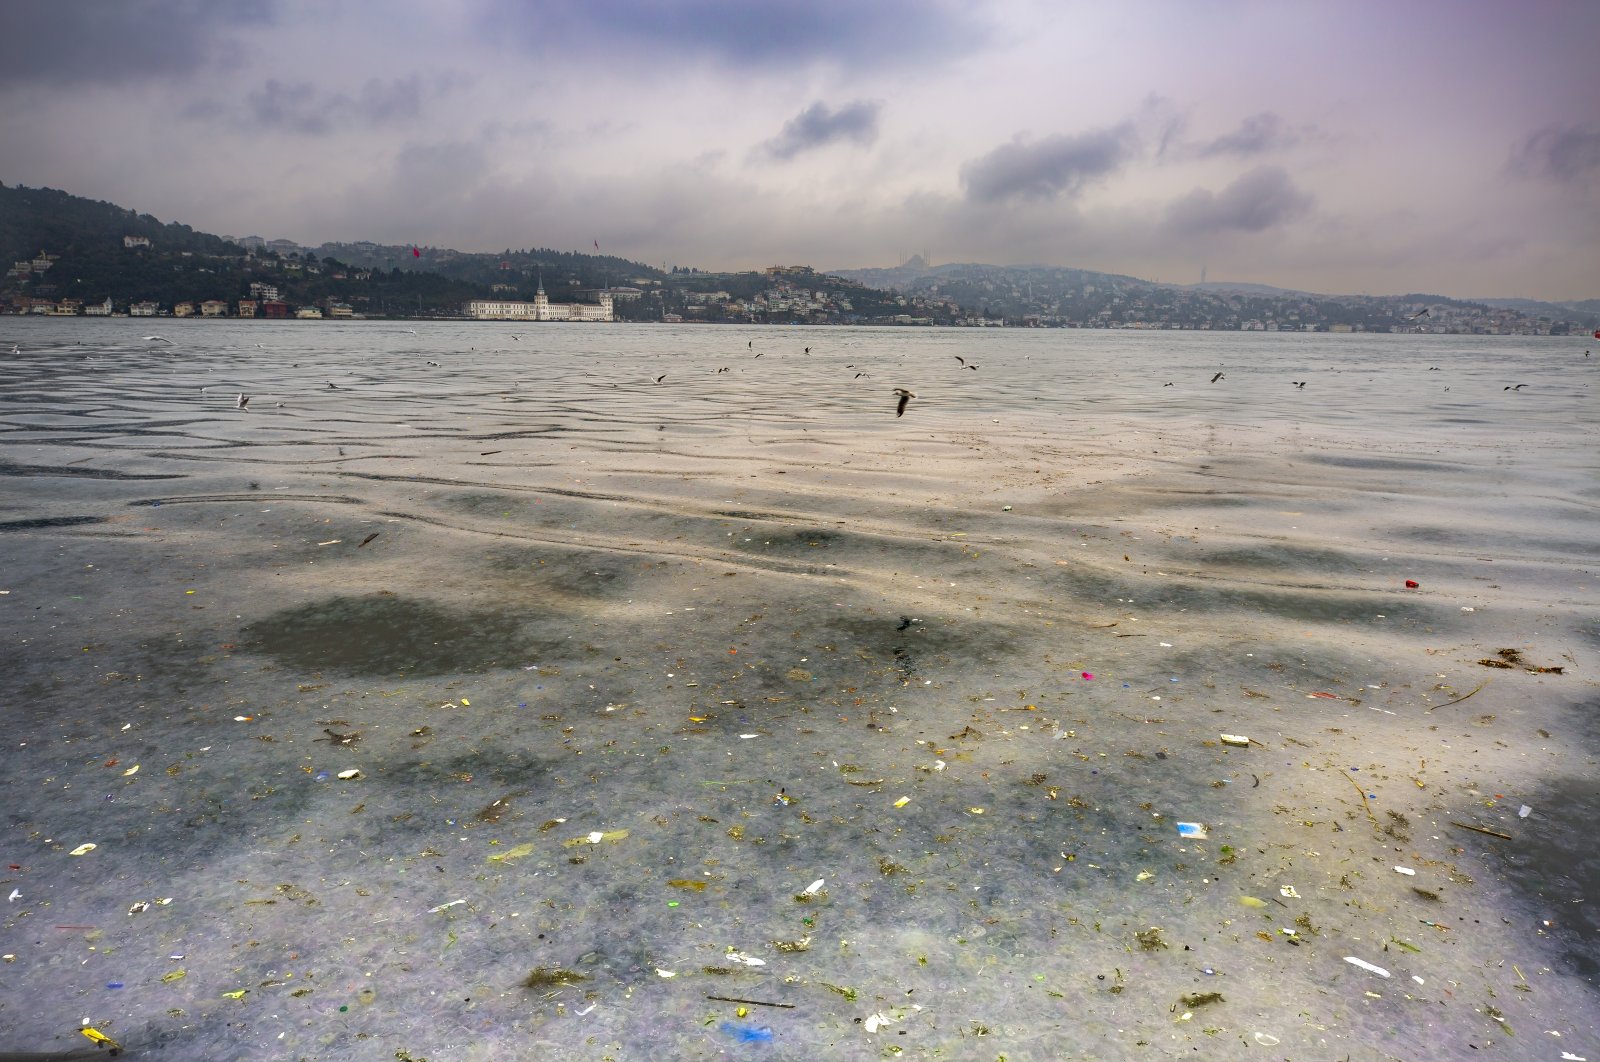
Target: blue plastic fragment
749,1034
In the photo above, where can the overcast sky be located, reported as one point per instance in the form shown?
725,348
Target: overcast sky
1446,146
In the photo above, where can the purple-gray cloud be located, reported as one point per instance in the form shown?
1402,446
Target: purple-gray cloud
1258,133
50,42
1565,153
302,108
1045,169
817,126
741,34
1260,199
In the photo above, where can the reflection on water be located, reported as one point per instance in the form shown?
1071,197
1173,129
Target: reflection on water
621,666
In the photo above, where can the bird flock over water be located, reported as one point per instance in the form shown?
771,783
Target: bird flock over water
901,396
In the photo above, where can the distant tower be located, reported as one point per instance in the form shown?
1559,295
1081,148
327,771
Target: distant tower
1202,273
541,301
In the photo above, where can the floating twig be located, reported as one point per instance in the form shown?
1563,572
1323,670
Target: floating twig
1480,829
1461,698
751,1002
1362,793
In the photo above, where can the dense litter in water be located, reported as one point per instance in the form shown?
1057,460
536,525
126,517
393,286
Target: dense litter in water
527,705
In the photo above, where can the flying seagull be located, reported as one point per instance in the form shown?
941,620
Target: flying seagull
1420,313
663,376
959,358
1299,383
242,401
158,339
905,396
1217,377
1516,388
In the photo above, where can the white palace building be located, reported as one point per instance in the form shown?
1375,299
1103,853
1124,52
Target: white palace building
541,309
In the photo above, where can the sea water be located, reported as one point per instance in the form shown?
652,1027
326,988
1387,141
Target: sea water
489,691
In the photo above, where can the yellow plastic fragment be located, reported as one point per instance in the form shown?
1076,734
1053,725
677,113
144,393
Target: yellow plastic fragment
902,802
235,995
100,1038
1251,901
83,849
512,853
175,975
595,837
131,771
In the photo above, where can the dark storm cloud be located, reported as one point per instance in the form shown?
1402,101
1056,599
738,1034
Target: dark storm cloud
303,108
817,126
74,43
1569,153
1044,169
1258,133
739,33
1258,200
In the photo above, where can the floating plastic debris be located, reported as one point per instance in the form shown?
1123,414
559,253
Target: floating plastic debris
1236,740
1195,830
1406,871
83,849
815,887
100,1039
1365,965
875,1022
353,772
512,853
747,1033
1289,891
1524,811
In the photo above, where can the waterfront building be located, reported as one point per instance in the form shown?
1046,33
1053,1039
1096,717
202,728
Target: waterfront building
541,309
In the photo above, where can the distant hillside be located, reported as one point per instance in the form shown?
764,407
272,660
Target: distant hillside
1049,296
1585,312
35,219
86,258
63,248
520,271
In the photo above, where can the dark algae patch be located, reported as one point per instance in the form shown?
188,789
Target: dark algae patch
385,635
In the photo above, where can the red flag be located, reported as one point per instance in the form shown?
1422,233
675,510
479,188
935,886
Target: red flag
415,253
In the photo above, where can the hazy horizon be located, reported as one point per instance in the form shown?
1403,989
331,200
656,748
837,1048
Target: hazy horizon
1442,148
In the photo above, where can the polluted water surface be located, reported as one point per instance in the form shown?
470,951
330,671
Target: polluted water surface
502,701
